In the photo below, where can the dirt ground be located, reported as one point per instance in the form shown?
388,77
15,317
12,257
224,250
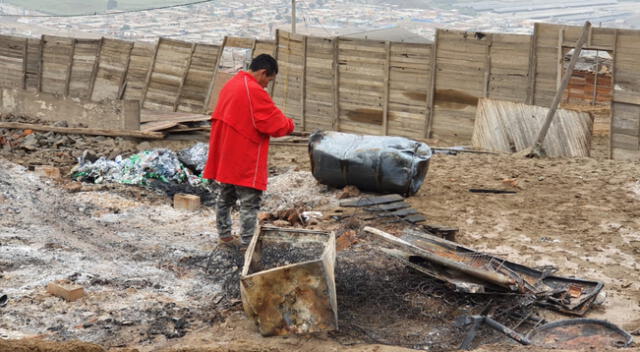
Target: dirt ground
142,262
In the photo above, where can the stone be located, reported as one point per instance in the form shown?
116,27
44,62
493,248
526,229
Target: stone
30,142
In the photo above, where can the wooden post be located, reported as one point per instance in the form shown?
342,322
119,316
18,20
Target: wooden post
25,61
184,77
276,51
125,74
595,79
40,74
96,66
387,81
537,147
487,67
533,66
150,73
613,93
335,124
207,99
431,92
253,48
560,63
303,95
67,82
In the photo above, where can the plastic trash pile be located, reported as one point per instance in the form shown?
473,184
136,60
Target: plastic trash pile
146,167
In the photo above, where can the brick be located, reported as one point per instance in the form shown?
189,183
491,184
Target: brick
188,202
66,291
48,171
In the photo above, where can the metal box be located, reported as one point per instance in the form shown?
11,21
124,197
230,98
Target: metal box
288,283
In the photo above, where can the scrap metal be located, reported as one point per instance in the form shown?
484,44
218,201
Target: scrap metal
470,271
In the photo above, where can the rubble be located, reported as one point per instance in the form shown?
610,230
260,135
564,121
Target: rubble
29,147
154,275
470,271
195,157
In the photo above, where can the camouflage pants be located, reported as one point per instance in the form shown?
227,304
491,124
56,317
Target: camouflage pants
249,198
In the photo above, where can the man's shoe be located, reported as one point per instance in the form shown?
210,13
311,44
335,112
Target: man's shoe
229,241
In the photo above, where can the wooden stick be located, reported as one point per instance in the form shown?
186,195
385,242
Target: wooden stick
560,63
613,93
184,77
152,65
123,80
67,81
303,95
487,67
533,63
595,79
207,99
431,92
335,124
387,82
96,66
41,71
276,51
86,131
537,147
25,56
253,48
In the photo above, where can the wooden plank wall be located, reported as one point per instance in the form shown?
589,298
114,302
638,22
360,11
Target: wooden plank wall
461,58
112,69
56,61
410,77
141,56
198,78
84,59
508,69
351,85
168,69
319,106
264,47
12,51
361,85
552,41
287,87
34,64
99,69
625,122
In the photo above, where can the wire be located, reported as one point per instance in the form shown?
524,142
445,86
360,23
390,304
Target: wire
112,13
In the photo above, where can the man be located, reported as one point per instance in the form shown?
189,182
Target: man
242,123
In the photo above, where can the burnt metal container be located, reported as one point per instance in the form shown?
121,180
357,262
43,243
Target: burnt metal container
288,283
371,163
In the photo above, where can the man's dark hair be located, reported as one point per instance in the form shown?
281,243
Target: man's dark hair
264,62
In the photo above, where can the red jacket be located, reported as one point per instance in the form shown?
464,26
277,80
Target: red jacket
244,119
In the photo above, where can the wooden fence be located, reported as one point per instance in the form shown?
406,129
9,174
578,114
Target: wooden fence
352,85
